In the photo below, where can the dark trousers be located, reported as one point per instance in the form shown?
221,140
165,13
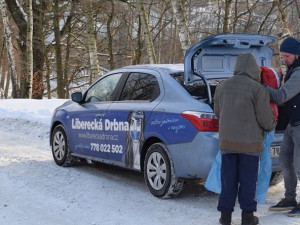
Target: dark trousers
239,174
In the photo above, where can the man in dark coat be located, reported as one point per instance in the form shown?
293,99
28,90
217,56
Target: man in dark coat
242,105
289,95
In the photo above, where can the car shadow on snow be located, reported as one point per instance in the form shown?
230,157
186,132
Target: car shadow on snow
195,188
191,189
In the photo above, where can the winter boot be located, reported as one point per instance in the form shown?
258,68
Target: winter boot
249,219
284,205
225,218
295,212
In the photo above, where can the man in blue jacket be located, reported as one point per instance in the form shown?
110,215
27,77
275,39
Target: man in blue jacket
289,95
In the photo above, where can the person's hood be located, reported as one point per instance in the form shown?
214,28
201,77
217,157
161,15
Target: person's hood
246,65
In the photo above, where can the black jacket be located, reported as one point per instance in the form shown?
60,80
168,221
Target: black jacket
289,93
292,106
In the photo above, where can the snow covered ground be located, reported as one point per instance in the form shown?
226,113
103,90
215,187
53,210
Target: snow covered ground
35,191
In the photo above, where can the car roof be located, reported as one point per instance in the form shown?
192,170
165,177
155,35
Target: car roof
166,68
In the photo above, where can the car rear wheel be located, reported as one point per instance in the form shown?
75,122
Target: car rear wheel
60,147
159,172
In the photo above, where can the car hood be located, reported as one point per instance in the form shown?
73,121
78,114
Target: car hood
215,56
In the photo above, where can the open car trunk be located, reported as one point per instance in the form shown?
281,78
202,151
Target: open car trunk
212,60
200,90
214,57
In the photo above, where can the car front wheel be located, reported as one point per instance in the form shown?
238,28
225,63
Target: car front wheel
159,172
60,147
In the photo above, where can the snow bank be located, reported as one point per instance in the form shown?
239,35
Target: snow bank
30,109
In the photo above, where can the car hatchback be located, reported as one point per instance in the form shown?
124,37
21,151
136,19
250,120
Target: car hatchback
157,119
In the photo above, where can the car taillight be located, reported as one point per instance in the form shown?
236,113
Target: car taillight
203,121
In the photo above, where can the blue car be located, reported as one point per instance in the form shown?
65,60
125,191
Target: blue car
156,119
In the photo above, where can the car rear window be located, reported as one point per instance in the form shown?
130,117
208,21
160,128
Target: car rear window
140,87
198,89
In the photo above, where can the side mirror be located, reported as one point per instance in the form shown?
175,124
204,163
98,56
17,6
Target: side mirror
76,97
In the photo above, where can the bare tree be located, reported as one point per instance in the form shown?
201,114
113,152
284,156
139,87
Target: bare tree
268,14
91,40
29,56
59,69
123,33
110,36
182,24
2,71
9,46
227,16
283,18
147,33
68,50
138,49
20,19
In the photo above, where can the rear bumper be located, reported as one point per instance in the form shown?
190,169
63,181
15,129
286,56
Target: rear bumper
193,160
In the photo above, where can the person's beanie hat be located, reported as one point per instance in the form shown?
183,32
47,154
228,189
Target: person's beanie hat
290,45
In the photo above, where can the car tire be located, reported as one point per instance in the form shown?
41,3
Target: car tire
276,178
60,147
159,172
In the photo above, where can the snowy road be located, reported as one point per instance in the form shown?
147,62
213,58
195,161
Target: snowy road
35,191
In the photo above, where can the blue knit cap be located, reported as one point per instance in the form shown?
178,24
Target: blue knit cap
290,45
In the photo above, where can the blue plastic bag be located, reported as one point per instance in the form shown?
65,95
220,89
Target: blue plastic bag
265,170
213,181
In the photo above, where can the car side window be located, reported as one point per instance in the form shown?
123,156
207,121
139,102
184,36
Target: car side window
140,86
103,90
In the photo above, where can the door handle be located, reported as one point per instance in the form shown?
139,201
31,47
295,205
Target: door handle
138,117
100,115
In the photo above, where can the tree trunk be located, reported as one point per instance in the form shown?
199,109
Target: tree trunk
29,53
283,18
173,43
161,33
228,10
138,49
59,69
147,33
2,81
92,42
6,89
9,46
2,71
110,36
48,77
219,17
68,49
182,24
66,68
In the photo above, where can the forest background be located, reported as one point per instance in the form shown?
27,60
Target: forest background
50,48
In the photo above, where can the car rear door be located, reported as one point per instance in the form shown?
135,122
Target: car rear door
126,117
